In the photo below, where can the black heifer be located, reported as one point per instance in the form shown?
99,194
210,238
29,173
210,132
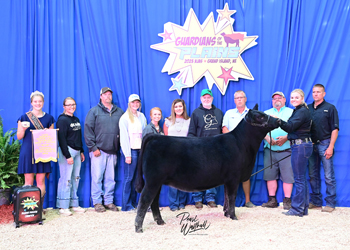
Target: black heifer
194,164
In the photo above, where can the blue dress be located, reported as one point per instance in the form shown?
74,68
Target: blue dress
25,165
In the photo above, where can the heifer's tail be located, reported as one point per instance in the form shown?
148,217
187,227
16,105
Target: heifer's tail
140,183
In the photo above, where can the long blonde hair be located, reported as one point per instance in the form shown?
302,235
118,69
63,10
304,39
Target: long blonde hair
130,114
172,116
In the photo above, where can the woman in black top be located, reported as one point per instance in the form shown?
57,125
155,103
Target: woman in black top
298,129
71,155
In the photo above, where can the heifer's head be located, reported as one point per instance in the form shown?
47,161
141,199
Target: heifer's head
257,118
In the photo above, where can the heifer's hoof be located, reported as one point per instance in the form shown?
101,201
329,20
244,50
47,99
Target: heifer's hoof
160,222
234,217
138,230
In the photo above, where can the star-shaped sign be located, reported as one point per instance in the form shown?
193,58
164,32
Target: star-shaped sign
226,75
226,13
177,85
166,35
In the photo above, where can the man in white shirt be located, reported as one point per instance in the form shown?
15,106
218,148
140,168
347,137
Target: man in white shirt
231,119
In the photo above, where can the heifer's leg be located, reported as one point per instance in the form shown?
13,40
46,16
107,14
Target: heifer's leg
225,200
155,210
231,191
145,201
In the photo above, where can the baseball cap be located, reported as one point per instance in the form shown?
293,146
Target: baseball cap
206,92
104,90
133,97
278,93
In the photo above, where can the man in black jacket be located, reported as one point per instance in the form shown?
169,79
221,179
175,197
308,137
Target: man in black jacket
102,138
206,121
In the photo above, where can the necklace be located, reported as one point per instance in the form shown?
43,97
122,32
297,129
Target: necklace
179,123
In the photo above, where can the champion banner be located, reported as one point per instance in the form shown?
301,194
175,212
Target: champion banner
45,145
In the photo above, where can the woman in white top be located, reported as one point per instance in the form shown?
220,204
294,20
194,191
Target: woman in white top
131,125
177,124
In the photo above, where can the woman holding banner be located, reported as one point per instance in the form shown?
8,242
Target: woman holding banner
36,118
71,154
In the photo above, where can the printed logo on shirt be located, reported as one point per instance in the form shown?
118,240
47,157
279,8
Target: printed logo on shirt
210,120
325,110
75,126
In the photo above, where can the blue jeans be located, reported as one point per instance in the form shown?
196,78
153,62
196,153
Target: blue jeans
130,173
209,195
69,180
300,155
177,198
102,177
315,175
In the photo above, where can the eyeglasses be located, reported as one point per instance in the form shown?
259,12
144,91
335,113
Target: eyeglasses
277,98
238,98
70,105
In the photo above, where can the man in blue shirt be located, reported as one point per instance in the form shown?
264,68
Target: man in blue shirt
231,119
280,148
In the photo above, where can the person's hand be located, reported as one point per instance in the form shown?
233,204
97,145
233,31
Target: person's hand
70,161
97,153
82,157
128,160
273,116
329,152
281,140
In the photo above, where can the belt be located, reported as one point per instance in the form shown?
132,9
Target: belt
280,151
300,141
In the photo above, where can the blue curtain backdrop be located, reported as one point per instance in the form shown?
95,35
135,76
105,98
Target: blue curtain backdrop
73,48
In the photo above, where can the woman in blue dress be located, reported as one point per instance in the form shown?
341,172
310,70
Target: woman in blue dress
25,124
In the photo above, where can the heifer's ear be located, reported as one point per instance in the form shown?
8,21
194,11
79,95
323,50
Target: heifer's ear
256,107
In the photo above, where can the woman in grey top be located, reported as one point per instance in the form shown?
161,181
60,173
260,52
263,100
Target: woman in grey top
177,124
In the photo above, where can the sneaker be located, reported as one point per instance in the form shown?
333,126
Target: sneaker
287,203
272,203
65,212
249,204
290,213
312,206
99,208
112,207
212,204
78,209
133,210
174,209
199,205
327,209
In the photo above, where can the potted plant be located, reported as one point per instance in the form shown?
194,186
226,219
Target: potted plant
9,156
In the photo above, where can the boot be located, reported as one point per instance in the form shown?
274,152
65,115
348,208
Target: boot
287,203
272,203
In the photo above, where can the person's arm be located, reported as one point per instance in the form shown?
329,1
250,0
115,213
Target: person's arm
225,130
329,151
192,130
270,140
294,122
281,140
20,130
165,129
124,137
89,131
62,138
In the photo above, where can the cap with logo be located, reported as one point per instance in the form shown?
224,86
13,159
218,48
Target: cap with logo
104,90
278,93
206,92
134,97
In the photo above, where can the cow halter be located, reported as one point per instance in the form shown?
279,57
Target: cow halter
257,124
